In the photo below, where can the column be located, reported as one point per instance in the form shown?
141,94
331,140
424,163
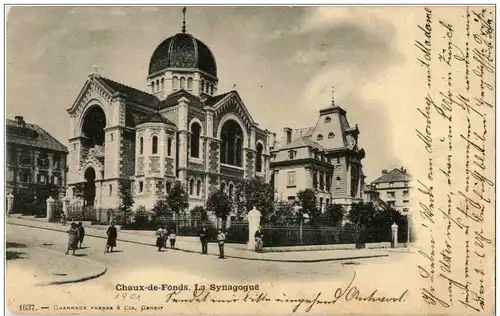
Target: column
183,138
394,229
253,224
10,203
50,208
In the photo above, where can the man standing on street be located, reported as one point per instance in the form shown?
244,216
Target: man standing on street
204,240
221,239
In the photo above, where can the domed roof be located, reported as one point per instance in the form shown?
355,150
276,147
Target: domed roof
182,51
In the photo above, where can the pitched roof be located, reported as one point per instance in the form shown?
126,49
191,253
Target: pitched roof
395,175
130,93
173,98
156,118
215,99
32,135
302,142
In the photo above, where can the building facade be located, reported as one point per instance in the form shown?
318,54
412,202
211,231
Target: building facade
325,158
35,159
182,129
394,188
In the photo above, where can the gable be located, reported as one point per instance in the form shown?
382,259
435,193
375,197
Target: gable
232,103
92,90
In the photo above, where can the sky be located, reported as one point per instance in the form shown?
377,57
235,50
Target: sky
283,61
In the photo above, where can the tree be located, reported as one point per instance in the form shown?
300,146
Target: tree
126,200
219,203
198,215
333,215
307,200
161,211
79,190
254,192
177,200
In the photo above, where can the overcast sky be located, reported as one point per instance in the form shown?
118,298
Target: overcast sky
295,54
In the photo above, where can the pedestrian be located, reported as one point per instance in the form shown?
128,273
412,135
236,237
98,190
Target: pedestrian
63,219
81,234
73,238
160,238
112,235
204,240
259,240
221,239
172,239
165,237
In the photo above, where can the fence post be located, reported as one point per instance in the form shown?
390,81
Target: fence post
65,204
253,224
394,228
50,208
10,203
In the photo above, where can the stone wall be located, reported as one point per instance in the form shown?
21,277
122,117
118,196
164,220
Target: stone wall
250,161
213,157
127,150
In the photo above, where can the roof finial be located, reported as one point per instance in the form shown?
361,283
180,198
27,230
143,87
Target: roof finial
184,20
234,86
333,96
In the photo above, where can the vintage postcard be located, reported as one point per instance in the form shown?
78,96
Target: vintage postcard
250,160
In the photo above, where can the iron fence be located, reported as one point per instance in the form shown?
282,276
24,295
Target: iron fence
276,236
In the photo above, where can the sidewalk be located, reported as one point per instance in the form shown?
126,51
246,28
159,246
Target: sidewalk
238,251
48,267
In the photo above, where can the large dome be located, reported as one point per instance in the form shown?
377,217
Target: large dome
182,51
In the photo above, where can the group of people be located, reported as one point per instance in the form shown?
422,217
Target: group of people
162,235
77,233
221,240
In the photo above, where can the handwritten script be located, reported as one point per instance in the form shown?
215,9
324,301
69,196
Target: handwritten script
200,294
455,192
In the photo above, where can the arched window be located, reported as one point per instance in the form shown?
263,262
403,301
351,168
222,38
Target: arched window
175,83
153,86
190,84
231,144
198,188
320,204
191,186
331,135
223,186
320,137
183,83
259,157
169,146
141,146
162,84
155,145
211,89
231,190
207,87
327,202
328,119
158,85
202,86
195,140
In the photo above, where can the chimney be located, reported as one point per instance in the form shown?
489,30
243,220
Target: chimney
288,133
403,170
384,171
20,120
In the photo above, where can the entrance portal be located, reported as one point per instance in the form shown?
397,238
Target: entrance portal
89,188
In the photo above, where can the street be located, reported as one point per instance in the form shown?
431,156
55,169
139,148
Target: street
134,264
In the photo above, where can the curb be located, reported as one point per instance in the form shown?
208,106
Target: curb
232,257
77,280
